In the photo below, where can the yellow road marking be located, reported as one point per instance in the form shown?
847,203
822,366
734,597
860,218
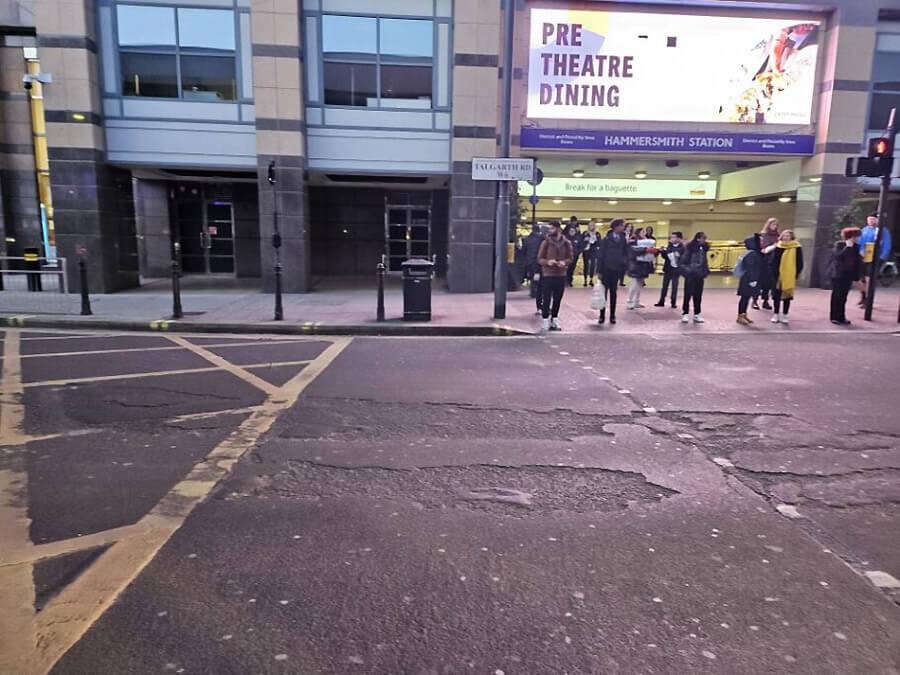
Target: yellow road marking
162,373
167,348
36,552
17,635
216,360
68,616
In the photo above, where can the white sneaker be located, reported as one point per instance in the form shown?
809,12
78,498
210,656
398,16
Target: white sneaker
784,319
698,319
776,318
629,306
685,318
554,324
545,325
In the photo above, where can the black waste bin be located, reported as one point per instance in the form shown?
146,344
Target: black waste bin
32,258
417,274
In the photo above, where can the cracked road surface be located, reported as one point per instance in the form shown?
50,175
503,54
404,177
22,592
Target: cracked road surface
574,504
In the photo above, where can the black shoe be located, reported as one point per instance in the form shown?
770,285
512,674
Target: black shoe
755,305
845,322
660,304
602,318
673,305
612,319
766,305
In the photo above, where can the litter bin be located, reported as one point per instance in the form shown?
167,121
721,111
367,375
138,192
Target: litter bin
32,258
417,274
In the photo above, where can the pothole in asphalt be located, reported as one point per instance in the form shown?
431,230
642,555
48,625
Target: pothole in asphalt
524,491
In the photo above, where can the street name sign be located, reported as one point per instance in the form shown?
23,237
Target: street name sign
502,168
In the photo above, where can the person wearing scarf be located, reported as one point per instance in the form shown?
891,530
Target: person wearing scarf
786,260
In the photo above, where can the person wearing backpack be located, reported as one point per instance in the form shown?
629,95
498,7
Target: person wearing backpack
695,268
749,268
671,255
846,268
786,264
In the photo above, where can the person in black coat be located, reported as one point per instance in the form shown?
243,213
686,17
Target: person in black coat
530,247
671,255
573,234
612,263
753,264
694,266
846,269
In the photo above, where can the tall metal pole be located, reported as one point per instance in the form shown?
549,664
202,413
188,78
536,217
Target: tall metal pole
501,229
882,217
276,244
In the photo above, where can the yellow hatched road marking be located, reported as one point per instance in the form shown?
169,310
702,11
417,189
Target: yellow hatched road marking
68,616
161,373
216,360
31,643
166,348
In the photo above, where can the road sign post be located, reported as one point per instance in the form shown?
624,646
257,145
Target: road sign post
502,170
884,149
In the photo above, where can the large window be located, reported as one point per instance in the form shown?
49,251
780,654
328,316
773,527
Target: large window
370,62
885,80
170,53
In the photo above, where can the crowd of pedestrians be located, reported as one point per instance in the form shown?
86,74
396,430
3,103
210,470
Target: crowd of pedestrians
768,271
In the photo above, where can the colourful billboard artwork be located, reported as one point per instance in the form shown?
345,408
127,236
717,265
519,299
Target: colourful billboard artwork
668,141
668,67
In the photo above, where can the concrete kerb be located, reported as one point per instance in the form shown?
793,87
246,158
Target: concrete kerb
163,325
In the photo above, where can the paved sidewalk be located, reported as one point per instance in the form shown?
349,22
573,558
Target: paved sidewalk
354,310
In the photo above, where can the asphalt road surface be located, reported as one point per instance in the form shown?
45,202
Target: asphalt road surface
570,504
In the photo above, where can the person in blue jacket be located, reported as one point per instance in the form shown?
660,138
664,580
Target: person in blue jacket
870,269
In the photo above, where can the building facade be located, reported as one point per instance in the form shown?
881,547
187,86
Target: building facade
165,120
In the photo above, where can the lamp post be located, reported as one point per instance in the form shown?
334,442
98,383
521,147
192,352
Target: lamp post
276,244
501,226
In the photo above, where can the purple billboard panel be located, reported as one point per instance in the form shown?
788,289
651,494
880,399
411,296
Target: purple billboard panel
668,142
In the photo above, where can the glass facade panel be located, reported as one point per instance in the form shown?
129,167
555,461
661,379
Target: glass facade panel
349,35
153,75
146,27
407,37
208,29
208,78
353,84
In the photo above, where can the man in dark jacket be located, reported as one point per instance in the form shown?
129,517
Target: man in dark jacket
612,262
671,255
555,256
846,269
530,247
694,266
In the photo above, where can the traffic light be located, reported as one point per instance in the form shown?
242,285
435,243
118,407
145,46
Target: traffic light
878,163
879,148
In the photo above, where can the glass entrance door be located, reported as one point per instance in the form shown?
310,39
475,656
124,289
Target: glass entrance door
407,234
204,227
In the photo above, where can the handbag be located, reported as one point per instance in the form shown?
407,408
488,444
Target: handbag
598,297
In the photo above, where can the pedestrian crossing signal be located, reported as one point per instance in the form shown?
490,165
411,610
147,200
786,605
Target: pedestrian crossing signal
879,148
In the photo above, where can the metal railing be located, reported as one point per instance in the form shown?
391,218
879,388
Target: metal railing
35,285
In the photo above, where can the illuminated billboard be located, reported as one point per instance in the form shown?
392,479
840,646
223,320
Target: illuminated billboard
588,65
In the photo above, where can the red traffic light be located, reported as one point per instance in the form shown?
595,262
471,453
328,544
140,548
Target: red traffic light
879,147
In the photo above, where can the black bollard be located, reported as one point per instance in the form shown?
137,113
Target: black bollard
279,306
85,297
379,312
177,313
